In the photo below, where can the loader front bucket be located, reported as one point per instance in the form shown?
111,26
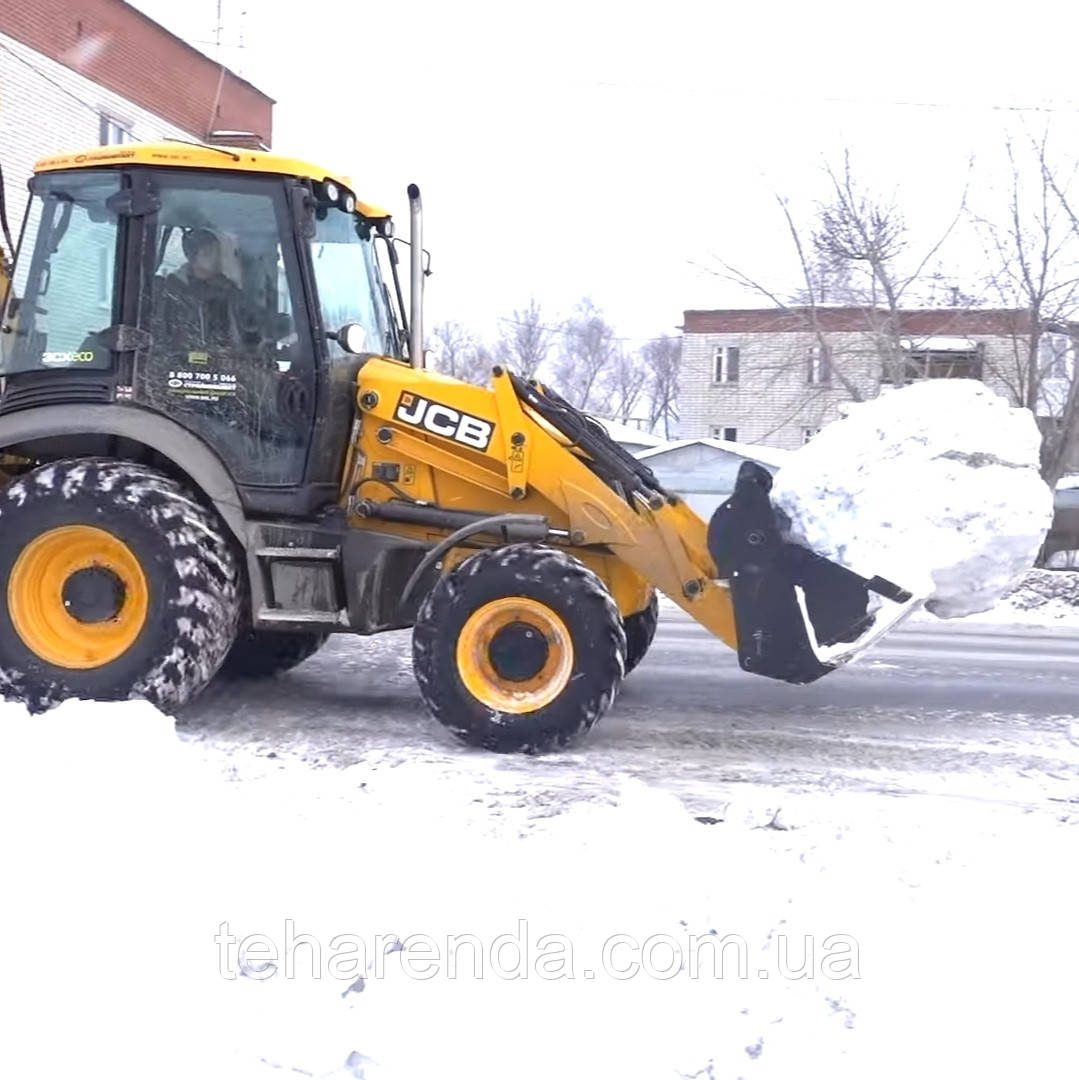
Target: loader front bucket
798,615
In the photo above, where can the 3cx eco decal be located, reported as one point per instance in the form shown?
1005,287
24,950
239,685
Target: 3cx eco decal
443,420
65,359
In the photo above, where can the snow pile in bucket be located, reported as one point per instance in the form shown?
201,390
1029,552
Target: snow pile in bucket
934,486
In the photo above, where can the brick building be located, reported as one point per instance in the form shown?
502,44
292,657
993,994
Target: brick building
776,376
77,73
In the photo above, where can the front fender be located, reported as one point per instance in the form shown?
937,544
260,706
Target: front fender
186,451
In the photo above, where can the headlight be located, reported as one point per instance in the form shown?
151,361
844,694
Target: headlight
331,191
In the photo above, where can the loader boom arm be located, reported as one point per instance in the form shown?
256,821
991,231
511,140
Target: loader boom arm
528,466
519,448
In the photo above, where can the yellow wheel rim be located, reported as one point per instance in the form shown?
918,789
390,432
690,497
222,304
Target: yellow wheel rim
515,655
77,597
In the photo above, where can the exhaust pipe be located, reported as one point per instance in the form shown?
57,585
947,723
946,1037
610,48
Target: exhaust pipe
415,342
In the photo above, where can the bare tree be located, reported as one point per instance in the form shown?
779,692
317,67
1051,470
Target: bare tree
1060,445
526,342
869,236
662,359
588,350
825,281
856,252
627,381
1031,255
456,351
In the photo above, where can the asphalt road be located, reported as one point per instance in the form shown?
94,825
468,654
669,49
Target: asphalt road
974,712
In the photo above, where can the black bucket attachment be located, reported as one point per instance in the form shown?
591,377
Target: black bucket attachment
798,615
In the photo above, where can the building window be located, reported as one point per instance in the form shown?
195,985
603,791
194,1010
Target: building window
1054,355
725,364
808,433
943,365
112,133
819,366
727,434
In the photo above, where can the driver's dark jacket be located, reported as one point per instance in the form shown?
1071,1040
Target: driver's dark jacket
205,314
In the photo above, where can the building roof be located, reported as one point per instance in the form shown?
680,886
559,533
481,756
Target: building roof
766,455
191,48
119,47
626,433
912,321
200,156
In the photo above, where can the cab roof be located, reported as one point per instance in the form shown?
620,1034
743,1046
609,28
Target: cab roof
200,156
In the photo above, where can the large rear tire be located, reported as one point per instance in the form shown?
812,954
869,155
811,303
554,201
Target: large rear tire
119,584
261,654
640,630
520,648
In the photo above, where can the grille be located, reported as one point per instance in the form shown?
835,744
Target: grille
54,391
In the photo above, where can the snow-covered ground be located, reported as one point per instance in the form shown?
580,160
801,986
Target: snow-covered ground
178,909
859,936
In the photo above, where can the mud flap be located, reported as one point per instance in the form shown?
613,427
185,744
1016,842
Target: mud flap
798,615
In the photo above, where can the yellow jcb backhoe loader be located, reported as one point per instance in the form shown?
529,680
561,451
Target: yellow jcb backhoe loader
222,447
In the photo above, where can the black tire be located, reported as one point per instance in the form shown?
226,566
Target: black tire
261,654
190,600
586,641
640,630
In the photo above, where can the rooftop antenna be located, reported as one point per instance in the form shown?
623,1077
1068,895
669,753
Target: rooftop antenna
241,43
217,31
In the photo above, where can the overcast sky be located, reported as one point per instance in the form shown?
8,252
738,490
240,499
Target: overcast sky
582,147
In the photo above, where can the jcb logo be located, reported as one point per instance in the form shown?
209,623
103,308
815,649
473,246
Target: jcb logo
444,421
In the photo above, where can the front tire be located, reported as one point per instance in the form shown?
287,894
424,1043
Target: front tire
520,648
120,585
640,630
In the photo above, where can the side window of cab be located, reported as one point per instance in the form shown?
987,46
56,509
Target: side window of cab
230,355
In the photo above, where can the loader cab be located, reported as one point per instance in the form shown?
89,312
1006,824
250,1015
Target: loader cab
211,296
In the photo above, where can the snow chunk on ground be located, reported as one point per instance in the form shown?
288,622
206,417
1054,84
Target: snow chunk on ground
1046,598
934,486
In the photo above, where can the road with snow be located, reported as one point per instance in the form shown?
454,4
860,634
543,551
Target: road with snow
972,711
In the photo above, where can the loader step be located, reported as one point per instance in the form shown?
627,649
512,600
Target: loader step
309,554
292,617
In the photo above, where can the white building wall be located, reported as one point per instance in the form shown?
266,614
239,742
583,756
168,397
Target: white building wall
773,403
47,108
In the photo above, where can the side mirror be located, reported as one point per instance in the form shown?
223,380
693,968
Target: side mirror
352,337
282,326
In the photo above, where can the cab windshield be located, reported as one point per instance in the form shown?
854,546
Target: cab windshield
64,291
350,286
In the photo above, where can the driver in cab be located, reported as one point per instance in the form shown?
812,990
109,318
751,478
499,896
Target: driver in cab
203,307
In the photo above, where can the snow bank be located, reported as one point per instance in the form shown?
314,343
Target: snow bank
130,863
934,486
1042,598
135,861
